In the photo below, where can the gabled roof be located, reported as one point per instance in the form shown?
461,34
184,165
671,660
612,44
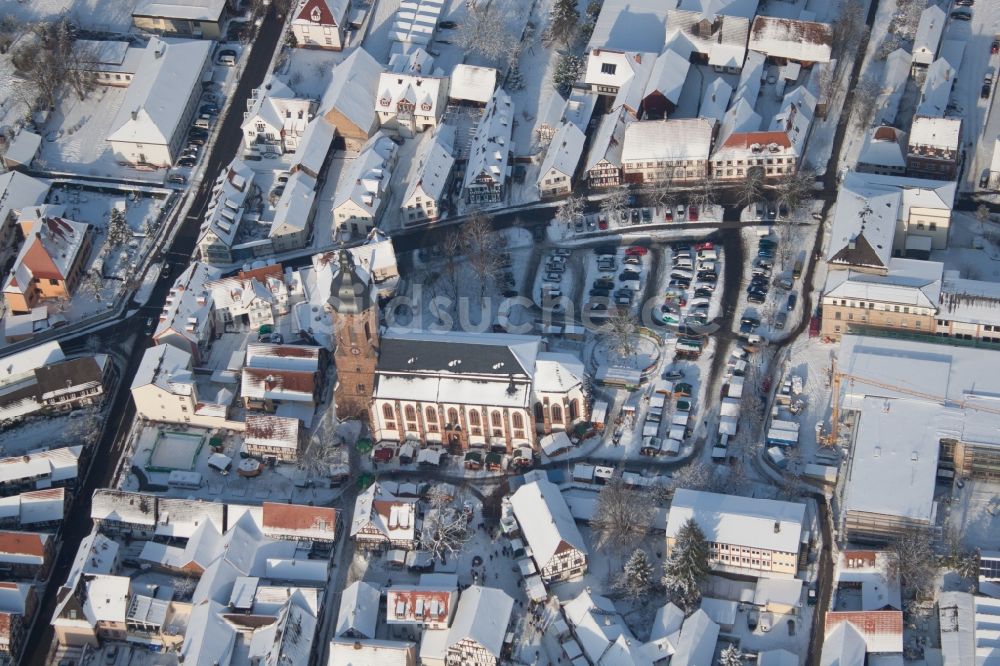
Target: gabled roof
681,139
189,309
928,36
609,141
352,89
52,466
358,610
803,41
294,209
723,39
188,10
351,652
279,107
486,354
322,13
314,145
936,93
712,8
483,615
366,180
667,78
630,24
716,100
51,245
745,521
696,643
392,516
272,431
545,521
421,91
430,168
884,147
491,143
166,366
844,646
563,154
156,98
227,203
882,630
908,282
299,521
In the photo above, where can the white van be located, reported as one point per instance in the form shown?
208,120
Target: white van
680,273
709,255
227,60
683,262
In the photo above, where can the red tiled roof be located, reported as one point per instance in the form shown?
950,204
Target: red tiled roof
743,140
22,543
298,517
869,623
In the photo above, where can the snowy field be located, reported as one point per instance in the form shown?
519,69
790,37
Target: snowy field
52,432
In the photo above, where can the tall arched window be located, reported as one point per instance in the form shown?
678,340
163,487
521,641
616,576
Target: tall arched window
539,412
387,412
431,415
474,417
411,413
518,420
556,414
574,409
497,419
453,416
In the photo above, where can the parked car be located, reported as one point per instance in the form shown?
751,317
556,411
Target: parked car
987,87
647,215
703,292
600,292
210,109
187,162
962,14
757,297
790,303
673,375
447,25
196,141
628,275
680,282
634,215
602,224
553,277
177,179
995,46
605,249
780,319
636,251
693,214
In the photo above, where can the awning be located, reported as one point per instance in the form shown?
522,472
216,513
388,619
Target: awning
474,456
494,458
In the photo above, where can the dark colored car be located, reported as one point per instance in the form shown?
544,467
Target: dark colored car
187,162
604,249
447,25
177,179
757,296
995,46
703,292
210,109
600,292
792,300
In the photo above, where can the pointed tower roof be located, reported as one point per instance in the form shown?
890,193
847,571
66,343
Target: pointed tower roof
350,291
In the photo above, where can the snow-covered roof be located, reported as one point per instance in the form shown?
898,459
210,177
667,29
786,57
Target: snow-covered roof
791,39
189,309
358,614
314,145
724,46
482,615
457,354
52,466
271,431
491,143
969,301
322,13
429,602
795,117
563,153
394,517
209,639
844,646
376,256
908,282
19,191
939,133
293,211
630,24
472,83
785,591
351,652
167,367
108,55
106,599
668,621
180,518
696,643
431,167
422,92
37,506
123,507
864,224
22,149
602,633
49,251
744,521
298,521
545,521
157,97
352,89
935,96
21,365
658,140
895,74
366,180
928,36
668,75
880,588
557,372
739,119
882,631
606,67
884,147
416,21
716,100
227,202
608,142
277,106
712,8
186,10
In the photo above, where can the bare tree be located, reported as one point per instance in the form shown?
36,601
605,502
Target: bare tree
445,532
795,188
913,561
482,249
49,61
982,217
452,250
752,187
960,558
703,195
570,210
849,25
485,32
615,203
622,517
865,97
698,475
663,192
621,331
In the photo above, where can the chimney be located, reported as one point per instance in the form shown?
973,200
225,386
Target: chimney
135,114
777,526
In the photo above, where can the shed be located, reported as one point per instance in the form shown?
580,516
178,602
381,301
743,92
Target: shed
555,443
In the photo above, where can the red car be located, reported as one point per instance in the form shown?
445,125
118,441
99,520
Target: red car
636,251
602,224
668,216
704,246
693,214
995,46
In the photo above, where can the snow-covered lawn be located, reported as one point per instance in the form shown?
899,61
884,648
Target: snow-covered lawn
41,432
969,252
307,71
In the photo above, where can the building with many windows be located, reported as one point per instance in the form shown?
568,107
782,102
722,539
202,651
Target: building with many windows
550,531
321,24
747,536
667,150
487,169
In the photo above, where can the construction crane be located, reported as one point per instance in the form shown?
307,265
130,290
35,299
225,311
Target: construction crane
830,439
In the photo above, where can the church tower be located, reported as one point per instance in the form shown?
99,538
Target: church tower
355,328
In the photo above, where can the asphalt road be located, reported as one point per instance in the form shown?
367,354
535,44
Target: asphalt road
104,460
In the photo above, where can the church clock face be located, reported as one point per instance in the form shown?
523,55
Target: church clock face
355,351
